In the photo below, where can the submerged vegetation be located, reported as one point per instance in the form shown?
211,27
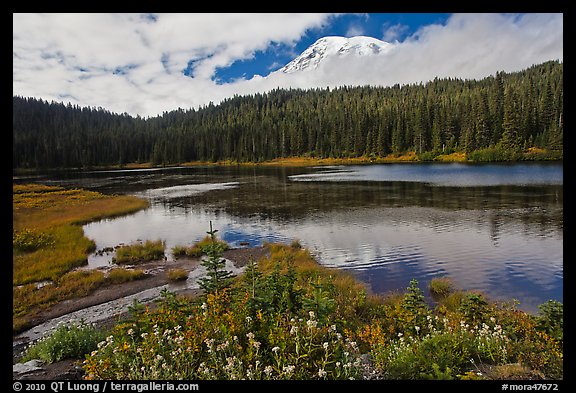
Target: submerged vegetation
48,243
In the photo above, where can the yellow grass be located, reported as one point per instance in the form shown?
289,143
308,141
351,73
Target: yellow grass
299,161
58,214
536,150
454,157
307,267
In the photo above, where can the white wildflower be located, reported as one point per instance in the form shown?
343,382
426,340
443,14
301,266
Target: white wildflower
311,324
288,370
275,349
321,373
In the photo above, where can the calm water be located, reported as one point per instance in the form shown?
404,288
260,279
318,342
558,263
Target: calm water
494,228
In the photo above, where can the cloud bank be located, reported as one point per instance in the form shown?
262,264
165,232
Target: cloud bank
145,64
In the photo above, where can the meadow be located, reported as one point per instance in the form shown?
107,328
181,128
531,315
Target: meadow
48,244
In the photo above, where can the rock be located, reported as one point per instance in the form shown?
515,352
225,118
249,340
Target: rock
28,367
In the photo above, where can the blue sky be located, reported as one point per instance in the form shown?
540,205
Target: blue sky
145,64
386,27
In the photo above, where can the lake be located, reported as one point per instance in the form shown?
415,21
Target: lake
496,228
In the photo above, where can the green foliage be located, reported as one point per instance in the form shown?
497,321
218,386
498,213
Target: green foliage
139,253
443,115
443,352
414,298
427,156
217,278
67,341
490,154
30,240
474,308
320,299
551,319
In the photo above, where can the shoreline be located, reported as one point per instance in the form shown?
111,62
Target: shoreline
534,155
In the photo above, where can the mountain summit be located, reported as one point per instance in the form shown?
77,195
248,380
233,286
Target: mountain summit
334,46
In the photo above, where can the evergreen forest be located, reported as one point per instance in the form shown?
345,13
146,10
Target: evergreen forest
506,113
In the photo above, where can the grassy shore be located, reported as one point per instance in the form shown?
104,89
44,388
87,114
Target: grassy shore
48,243
483,155
287,317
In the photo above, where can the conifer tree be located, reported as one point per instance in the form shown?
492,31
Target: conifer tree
217,278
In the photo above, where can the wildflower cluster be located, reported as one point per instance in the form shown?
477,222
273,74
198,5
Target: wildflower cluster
214,342
289,321
412,355
69,340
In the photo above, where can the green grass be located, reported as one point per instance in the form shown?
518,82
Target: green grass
150,250
177,274
120,275
184,251
48,243
197,249
440,287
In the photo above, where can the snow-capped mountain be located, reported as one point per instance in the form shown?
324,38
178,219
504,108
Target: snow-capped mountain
329,47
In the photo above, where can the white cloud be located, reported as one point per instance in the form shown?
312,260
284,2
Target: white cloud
354,30
467,46
133,63
394,32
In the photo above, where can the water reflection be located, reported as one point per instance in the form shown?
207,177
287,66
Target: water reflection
504,239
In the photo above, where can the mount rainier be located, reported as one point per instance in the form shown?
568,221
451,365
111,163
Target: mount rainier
336,47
